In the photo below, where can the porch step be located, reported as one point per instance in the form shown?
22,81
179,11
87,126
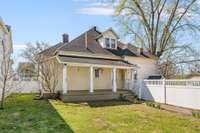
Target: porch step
130,97
76,96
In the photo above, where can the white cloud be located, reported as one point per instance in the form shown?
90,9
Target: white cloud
98,4
96,7
97,11
90,1
18,47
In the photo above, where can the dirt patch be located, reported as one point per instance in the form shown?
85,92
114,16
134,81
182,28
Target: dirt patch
101,124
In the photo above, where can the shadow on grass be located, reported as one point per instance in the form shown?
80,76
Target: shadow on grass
95,104
66,126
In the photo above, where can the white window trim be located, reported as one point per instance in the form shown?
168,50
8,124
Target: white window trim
110,44
105,42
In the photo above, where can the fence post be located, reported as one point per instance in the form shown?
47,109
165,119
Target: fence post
164,87
140,90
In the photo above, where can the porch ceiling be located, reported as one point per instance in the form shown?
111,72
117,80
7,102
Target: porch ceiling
95,61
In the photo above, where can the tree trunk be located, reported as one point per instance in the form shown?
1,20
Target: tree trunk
2,98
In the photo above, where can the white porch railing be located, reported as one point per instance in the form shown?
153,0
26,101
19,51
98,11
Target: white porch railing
132,85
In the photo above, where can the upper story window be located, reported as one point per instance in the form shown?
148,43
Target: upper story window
107,42
110,43
113,43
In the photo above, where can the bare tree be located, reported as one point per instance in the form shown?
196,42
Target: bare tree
168,69
32,50
47,66
179,61
158,25
49,75
194,66
6,73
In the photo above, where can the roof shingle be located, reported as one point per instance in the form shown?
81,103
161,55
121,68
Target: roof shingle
51,51
93,46
87,60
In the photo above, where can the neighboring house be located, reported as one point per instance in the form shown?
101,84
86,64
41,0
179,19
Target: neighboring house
5,40
97,61
26,71
194,76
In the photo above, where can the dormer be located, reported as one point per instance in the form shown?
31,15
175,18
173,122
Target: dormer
108,39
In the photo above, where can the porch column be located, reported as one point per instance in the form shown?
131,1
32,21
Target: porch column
114,79
91,79
65,79
126,84
132,71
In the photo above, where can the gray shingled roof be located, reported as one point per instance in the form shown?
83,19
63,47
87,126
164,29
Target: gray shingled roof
99,61
130,50
93,46
51,51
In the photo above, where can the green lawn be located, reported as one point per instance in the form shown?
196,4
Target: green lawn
123,117
22,114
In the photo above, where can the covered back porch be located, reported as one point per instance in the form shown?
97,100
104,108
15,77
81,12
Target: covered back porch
89,81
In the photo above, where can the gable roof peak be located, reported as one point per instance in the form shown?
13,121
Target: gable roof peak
125,46
94,28
111,29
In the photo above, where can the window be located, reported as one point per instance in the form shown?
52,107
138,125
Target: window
135,75
97,73
110,43
107,42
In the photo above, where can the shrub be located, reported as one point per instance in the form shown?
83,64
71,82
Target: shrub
153,104
196,114
131,98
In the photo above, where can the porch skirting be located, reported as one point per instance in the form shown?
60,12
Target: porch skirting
97,95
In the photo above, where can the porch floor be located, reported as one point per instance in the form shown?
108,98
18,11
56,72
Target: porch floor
97,95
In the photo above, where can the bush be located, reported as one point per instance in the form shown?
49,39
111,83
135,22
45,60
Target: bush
196,114
131,98
153,104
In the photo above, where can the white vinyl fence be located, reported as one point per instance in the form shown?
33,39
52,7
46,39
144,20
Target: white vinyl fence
22,87
183,93
26,87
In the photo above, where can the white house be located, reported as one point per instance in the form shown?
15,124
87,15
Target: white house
6,40
194,76
97,61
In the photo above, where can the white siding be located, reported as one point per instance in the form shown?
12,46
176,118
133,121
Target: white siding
146,66
5,35
107,34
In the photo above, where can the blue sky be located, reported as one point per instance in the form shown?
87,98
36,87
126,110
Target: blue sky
47,20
